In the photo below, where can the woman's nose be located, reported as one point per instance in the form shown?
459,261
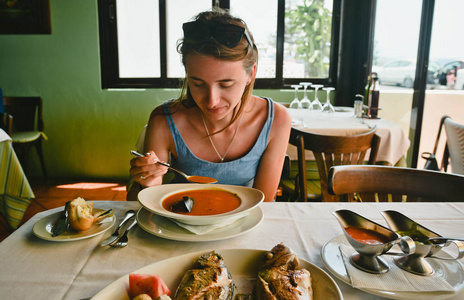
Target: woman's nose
212,97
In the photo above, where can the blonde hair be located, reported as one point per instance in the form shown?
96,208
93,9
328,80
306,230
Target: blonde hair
244,52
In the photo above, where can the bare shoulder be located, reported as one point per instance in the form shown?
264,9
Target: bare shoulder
281,116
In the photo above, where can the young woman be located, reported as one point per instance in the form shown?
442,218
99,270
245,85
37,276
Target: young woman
217,128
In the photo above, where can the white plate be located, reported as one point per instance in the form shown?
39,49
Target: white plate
344,109
243,264
451,270
43,228
165,228
151,199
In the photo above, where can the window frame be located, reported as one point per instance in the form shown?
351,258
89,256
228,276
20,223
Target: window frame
109,51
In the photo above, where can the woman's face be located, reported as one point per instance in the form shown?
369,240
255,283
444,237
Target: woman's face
216,85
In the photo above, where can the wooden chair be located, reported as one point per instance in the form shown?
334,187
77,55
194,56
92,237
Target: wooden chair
394,184
455,145
28,127
330,151
6,123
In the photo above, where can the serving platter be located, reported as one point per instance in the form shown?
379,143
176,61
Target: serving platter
451,270
152,197
44,227
243,264
165,228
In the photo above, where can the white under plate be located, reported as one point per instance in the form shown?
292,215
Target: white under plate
165,228
152,197
451,270
43,228
243,264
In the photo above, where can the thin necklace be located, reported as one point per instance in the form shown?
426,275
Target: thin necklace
211,140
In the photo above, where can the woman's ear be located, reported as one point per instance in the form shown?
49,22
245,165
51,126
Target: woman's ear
252,73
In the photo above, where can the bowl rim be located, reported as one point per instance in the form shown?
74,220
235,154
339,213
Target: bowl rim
163,191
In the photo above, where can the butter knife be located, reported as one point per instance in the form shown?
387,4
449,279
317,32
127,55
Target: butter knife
118,233
61,224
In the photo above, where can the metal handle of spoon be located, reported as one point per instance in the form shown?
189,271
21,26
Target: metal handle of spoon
135,153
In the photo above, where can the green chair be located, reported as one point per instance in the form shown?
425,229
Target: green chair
27,131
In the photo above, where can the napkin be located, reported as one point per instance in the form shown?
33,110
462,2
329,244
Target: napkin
394,280
204,229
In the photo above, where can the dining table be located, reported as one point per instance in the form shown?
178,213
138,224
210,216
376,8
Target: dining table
394,142
34,267
15,190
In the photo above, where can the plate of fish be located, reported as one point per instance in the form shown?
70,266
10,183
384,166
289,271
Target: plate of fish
200,204
234,274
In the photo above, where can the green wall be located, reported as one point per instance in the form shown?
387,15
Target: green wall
90,131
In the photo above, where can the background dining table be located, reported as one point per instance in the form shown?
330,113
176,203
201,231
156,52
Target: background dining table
33,268
394,143
15,190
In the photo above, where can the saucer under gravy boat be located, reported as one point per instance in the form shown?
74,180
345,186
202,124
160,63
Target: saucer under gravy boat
415,262
370,240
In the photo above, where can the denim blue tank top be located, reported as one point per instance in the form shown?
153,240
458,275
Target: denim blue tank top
241,171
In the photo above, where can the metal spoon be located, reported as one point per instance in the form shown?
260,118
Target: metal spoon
123,240
191,178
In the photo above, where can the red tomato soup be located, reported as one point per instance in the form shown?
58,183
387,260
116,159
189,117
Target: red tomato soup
206,201
367,236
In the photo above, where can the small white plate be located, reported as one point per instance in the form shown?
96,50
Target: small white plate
344,109
43,228
243,265
451,270
151,199
165,228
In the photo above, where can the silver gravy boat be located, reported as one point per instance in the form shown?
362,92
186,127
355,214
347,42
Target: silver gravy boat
367,256
415,262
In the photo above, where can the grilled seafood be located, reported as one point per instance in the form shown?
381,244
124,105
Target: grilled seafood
280,276
209,279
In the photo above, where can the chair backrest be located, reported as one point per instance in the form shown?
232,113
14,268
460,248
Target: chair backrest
26,112
6,123
455,143
331,151
394,184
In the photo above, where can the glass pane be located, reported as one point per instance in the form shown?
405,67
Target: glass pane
446,48
263,27
308,26
175,17
138,38
396,42
447,98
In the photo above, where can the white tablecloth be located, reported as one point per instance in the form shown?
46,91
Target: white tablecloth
394,142
32,268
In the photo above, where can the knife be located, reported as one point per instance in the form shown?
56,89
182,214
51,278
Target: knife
117,234
61,224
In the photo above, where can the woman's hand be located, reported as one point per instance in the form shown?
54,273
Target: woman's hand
146,171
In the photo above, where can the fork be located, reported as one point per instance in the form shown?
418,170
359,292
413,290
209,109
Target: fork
122,242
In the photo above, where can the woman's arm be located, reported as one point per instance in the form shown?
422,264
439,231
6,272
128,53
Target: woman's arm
144,170
270,168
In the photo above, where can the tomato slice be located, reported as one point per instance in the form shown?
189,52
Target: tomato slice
151,285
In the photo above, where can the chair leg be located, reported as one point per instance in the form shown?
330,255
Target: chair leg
38,147
22,152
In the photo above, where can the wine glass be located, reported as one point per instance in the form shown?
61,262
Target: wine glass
305,102
316,104
328,107
295,103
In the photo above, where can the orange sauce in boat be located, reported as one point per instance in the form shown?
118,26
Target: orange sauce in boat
206,201
201,179
367,236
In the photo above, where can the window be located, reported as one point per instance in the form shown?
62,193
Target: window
297,40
